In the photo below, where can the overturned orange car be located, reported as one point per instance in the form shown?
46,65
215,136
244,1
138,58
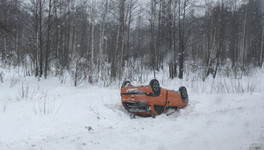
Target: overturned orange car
151,100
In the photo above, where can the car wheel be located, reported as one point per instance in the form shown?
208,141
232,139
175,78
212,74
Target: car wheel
155,86
184,93
125,83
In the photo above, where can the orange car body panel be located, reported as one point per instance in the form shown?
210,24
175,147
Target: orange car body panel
166,98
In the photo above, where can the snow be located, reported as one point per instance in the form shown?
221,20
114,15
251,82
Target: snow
92,117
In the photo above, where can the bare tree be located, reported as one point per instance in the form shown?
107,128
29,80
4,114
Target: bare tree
261,48
104,8
48,40
184,10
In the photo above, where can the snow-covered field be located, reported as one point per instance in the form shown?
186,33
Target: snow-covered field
50,115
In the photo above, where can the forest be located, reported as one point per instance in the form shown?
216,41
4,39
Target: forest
110,40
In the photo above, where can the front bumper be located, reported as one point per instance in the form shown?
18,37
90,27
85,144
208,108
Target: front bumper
137,107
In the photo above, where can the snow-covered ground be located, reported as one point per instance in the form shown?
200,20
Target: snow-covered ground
50,115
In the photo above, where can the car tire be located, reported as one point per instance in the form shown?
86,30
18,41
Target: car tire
125,83
184,94
155,86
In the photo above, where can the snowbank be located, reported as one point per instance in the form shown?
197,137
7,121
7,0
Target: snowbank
50,115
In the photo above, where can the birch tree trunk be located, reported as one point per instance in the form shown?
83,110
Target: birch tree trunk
261,48
48,42
93,12
153,35
92,38
4,24
40,40
102,37
5,47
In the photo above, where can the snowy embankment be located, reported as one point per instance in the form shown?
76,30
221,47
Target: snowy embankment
49,115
